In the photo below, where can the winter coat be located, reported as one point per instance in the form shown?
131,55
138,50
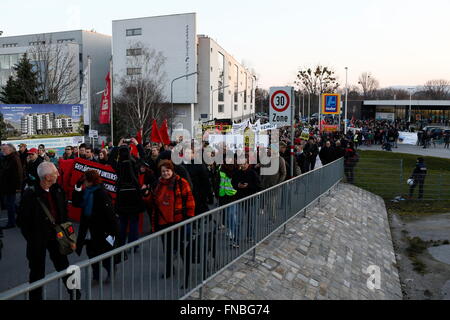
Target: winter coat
268,181
32,220
327,155
11,174
420,172
173,202
201,186
246,176
101,224
31,174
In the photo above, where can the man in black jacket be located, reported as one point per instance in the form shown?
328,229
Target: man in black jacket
37,229
339,151
202,189
327,154
11,177
33,162
419,174
311,151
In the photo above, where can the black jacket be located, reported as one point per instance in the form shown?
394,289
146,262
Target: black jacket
31,218
339,152
327,155
11,174
420,172
31,176
102,223
248,176
311,151
201,186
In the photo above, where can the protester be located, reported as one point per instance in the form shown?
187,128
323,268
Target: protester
42,153
418,176
82,151
97,219
351,159
89,154
37,229
103,157
327,154
52,157
33,162
23,154
173,202
11,178
311,151
68,153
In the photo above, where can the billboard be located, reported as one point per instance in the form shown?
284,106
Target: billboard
331,103
57,144
42,121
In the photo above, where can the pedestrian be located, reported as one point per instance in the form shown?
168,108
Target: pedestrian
33,162
11,178
99,228
173,203
311,151
418,176
68,153
351,158
37,229
327,154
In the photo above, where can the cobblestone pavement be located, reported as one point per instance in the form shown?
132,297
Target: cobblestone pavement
322,256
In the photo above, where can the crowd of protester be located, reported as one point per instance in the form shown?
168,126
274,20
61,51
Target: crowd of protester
148,182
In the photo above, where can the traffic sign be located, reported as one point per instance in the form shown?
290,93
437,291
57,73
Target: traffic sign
280,106
331,103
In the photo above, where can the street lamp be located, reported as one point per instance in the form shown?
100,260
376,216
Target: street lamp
171,95
410,104
346,100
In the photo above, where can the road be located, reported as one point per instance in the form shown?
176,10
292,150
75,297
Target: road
437,151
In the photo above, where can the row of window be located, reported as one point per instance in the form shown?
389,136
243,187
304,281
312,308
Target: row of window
35,43
221,108
134,32
9,45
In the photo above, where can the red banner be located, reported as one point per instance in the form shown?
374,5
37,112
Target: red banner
105,106
330,128
164,133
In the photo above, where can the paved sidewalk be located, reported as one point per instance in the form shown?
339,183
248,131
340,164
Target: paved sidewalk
438,151
322,256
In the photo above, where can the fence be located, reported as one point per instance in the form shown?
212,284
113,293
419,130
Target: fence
388,179
176,262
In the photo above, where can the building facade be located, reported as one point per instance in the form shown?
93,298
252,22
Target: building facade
222,89
78,43
45,123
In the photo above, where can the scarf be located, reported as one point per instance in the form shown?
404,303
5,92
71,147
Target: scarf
88,200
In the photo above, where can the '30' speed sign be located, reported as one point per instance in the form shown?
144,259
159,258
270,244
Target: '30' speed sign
280,106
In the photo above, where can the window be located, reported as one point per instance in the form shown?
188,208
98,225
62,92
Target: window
221,108
235,107
9,45
236,86
221,81
134,32
245,107
36,43
134,52
65,40
134,71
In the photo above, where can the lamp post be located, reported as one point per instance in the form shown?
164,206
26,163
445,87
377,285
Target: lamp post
346,99
171,95
410,105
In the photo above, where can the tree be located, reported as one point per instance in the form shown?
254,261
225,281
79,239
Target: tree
391,94
318,80
141,90
437,89
24,87
57,71
368,84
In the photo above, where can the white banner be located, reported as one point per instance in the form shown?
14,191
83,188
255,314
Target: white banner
407,138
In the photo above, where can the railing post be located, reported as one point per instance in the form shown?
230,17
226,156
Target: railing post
401,176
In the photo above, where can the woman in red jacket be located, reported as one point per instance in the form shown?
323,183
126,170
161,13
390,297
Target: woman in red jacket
173,202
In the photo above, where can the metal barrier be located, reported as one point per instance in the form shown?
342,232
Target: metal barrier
176,262
387,178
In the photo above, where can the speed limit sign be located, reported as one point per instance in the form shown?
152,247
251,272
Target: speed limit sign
280,106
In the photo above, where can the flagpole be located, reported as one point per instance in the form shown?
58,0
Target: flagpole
111,100
88,98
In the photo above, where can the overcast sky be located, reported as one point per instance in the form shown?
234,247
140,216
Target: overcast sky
402,42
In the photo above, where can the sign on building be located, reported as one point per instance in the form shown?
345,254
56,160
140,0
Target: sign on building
331,103
280,101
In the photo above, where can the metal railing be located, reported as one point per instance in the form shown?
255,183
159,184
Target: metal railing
176,262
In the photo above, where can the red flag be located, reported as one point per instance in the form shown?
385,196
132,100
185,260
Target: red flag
134,151
155,137
139,136
103,144
164,133
105,110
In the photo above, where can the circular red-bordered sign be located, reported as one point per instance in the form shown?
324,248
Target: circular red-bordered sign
288,101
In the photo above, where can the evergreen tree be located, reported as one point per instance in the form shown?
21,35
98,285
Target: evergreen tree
24,87
2,127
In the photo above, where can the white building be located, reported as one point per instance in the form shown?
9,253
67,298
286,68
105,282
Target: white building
79,43
197,97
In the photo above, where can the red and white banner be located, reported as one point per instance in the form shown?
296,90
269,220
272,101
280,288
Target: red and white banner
105,106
